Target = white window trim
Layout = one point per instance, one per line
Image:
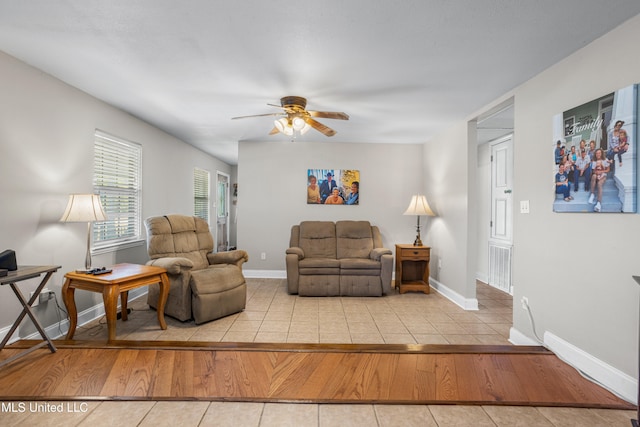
(208, 198)
(130, 241)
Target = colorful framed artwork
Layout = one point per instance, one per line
(595, 155)
(333, 187)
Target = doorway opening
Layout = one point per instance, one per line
(495, 140)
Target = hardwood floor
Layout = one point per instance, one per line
(399, 374)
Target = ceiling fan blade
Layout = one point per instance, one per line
(258, 115)
(329, 115)
(320, 127)
(274, 131)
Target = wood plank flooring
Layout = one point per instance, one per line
(312, 373)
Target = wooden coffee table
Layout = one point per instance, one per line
(120, 281)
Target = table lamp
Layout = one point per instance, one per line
(418, 206)
(84, 208)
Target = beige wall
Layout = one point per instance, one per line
(272, 193)
(46, 152)
(575, 268)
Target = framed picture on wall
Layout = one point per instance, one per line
(333, 187)
(595, 155)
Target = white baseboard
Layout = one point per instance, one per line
(59, 329)
(606, 375)
(518, 338)
(265, 274)
(3, 333)
(453, 296)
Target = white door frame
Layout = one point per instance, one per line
(221, 221)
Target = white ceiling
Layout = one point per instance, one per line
(402, 69)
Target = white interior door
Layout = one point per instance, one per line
(222, 212)
(501, 234)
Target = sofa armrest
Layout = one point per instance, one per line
(173, 265)
(236, 257)
(293, 272)
(377, 253)
(386, 270)
(296, 251)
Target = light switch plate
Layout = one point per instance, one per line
(524, 206)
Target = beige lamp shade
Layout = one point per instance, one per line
(83, 208)
(419, 206)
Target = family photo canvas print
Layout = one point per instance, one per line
(333, 187)
(594, 150)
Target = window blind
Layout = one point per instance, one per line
(117, 180)
(201, 193)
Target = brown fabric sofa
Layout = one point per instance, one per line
(203, 285)
(342, 258)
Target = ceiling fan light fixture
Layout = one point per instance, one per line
(288, 128)
(281, 124)
(295, 118)
(305, 129)
(298, 123)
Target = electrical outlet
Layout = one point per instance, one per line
(525, 303)
(45, 296)
(263, 256)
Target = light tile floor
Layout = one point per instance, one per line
(241, 414)
(273, 316)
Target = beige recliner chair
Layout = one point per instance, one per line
(204, 285)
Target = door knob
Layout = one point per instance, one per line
(507, 191)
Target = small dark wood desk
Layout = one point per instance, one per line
(24, 273)
(412, 268)
(120, 281)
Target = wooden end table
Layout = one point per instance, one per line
(120, 281)
(412, 268)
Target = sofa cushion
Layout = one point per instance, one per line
(359, 267)
(359, 264)
(318, 266)
(318, 239)
(217, 278)
(355, 239)
(319, 263)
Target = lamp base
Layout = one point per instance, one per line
(87, 258)
(418, 241)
